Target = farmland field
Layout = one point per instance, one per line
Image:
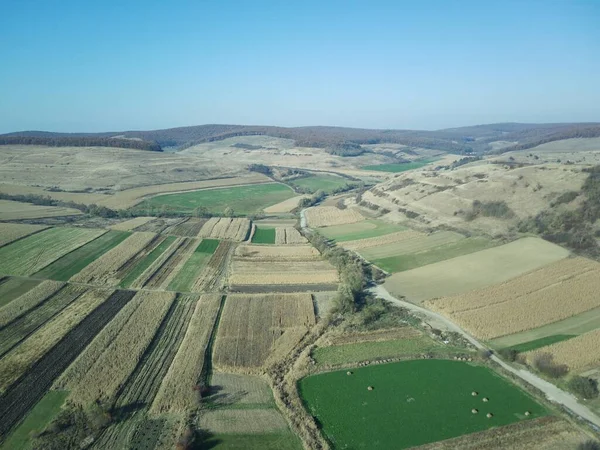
(10, 232)
(325, 216)
(28, 255)
(164, 269)
(360, 230)
(28, 301)
(289, 235)
(225, 228)
(184, 280)
(10, 210)
(12, 288)
(64, 268)
(146, 262)
(314, 183)
(526, 302)
(433, 398)
(476, 270)
(263, 236)
(399, 167)
(242, 199)
(131, 224)
(579, 353)
(542, 342)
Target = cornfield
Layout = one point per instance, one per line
(288, 235)
(578, 353)
(28, 301)
(226, 228)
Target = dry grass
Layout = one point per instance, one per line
(288, 235)
(374, 336)
(579, 353)
(10, 210)
(242, 421)
(325, 216)
(277, 253)
(28, 300)
(131, 224)
(225, 228)
(178, 392)
(251, 326)
(16, 362)
(285, 206)
(274, 272)
(120, 358)
(10, 232)
(387, 239)
(105, 270)
(232, 388)
(214, 275)
(547, 295)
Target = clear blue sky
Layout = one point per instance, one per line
(119, 65)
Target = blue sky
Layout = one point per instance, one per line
(119, 65)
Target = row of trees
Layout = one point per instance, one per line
(80, 141)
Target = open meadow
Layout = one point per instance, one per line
(369, 228)
(320, 182)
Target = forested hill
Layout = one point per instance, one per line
(343, 141)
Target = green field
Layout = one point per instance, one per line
(326, 183)
(242, 199)
(573, 326)
(264, 236)
(146, 262)
(64, 268)
(542, 342)
(400, 167)
(12, 288)
(412, 403)
(360, 230)
(409, 261)
(266, 441)
(363, 351)
(39, 417)
(184, 280)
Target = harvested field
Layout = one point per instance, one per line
(23, 395)
(242, 421)
(230, 390)
(10, 210)
(253, 327)
(186, 228)
(131, 224)
(579, 353)
(30, 254)
(110, 268)
(288, 235)
(178, 393)
(159, 224)
(225, 228)
(162, 271)
(326, 216)
(10, 232)
(28, 301)
(383, 241)
(545, 433)
(146, 262)
(16, 362)
(361, 230)
(285, 206)
(280, 272)
(418, 244)
(19, 329)
(281, 288)
(121, 357)
(529, 301)
(213, 276)
(72, 263)
(12, 288)
(476, 270)
(184, 280)
(277, 252)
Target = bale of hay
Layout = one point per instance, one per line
(474, 394)
(527, 413)
(474, 411)
(489, 415)
(370, 388)
(348, 373)
(485, 399)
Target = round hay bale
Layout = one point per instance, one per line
(370, 388)
(485, 399)
(527, 413)
(474, 394)
(474, 411)
(348, 373)
(489, 415)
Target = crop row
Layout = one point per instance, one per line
(166, 267)
(10, 232)
(325, 216)
(29, 300)
(214, 272)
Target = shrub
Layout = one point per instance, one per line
(509, 354)
(544, 363)
(583, 387)
(589, 445)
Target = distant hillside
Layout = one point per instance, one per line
(338, 140)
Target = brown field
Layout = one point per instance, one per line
(579, 353)
(288, 235)
(225, 228)
(544, 296)
(20, 359)
(111, 267)
(214, 274)
(131, 224)
(253, 327)
(186, 228)
(387, 239)
(122, 355)
(285, 206)
(178, 393)
(28, 301)
(244, 421)
(10, 232)
(274, 272)
(10, 210)
(546, 433)
(277, 252)
(325, 216)
(165, 268)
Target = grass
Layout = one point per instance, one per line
(412, 403)
(13, 288)
(363, 351)
(573, 326)
(242, 199)
(400, 167)
(39, 417)
(184, 280)
(409, 261)
(262, 441)
(64, 268)
(314, 183)
(264, 236)
(146, 262)
(360, 230)
(542, 342)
